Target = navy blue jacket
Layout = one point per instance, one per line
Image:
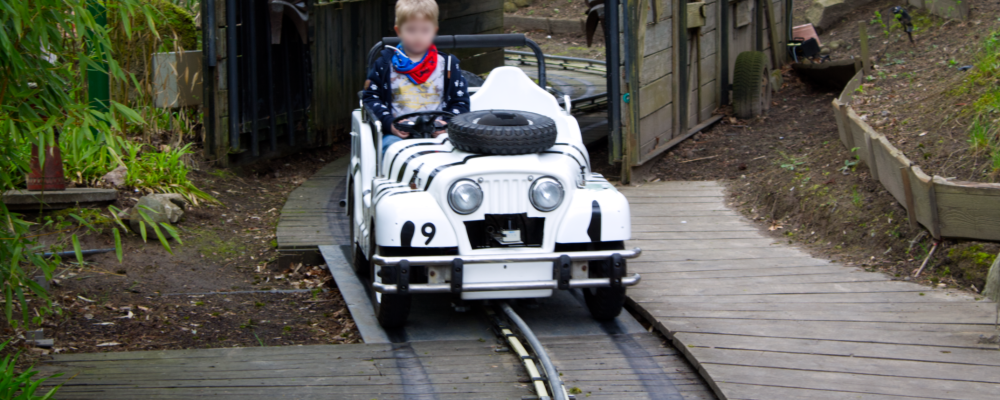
(377, 96)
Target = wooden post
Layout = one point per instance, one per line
(777, 48)
(935, 218)
(866, 61)
(872, 165)
(911, 212)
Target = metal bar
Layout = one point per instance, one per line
(82, 253)
(611, 37)
(508, 258)
(289, 113)
(271, 114)
(251, 62)
(538, 56)
(208, 31)
(684, 92)
(500, 286)
(555, 382)
(209, 28)
(232, 68)
(552, 57)
(724, 50)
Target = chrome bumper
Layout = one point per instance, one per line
(509, 258)
(490, 287)
(560, 262)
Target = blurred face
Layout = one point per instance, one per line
(417, 35)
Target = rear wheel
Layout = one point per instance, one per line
(391, 310)
(604, 303)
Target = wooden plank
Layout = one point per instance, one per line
(861, 384)
(656, 66)
(638, 237)
(847, 297)
(744, 273)
(654, 265)
(700, 192)
(862, 350)
(802, 288)
(655, 95)
(656, 128)
(911, 211)
(680, 209)
(701, 244)
(739, 391)
(659, 37)
(473, 23)
(968, 210)
(764, 280)
(967, 316)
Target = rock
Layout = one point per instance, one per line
(824, 13)
(116, 177)
(522, 3)
(824, 51)
(834, 45)
(509, 7)
(163, 208)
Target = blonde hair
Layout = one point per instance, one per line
(410, 9)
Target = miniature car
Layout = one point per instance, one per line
(503, 206)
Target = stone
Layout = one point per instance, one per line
(834, 45)
(824, 51)
(163, 208)
(116, 177)
(824, 13)
(522, 3)
(509, 7)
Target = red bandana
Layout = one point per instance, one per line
(418, 72)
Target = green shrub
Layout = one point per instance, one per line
(14, 386)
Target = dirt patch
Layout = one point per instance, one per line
(156, 300)
(566, 45)
(569, 9)
(918, 98)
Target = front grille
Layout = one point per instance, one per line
(505, 196)
(488, 232)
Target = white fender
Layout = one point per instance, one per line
(616, 218)
(396, 213)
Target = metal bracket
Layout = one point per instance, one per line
(564, 268)
(617, 270)
(403, 278)
(456, 276)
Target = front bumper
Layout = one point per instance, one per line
(561, 269)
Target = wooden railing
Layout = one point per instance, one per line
(947, 208)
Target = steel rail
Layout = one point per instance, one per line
(555, 382)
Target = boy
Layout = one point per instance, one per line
(414, 76)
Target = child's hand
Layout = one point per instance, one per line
(441, 131)
(399, 133)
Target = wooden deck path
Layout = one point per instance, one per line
(764, 320)
(312, 216)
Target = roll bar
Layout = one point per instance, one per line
(471, 42)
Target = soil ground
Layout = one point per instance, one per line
(567, 9)
(157, 301)
(913, 94)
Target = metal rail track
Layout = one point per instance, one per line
(555, 385)
(581, 104)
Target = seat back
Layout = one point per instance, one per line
(509, 88)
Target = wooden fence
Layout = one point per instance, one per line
(947, 208)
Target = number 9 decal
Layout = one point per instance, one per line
(428, 230)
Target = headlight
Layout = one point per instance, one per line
(546, 194)
(465, 196)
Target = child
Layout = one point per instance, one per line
(414, 76)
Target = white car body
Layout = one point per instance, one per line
(407, 205)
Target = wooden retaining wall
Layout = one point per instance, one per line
(947, 208)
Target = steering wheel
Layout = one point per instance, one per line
(421, 124)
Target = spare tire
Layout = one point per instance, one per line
(472, 79)
(503, 132)
(751, 85)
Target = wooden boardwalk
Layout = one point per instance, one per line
(764, 320)
(312, 215)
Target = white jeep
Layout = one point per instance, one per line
(502, 206)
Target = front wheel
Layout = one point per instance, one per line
(604, 303)
(391, 310)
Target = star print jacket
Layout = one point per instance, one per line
(377, 95)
